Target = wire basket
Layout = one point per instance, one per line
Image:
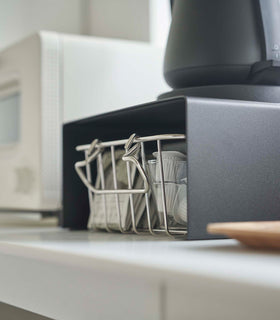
(108, 201)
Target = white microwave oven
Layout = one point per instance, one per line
(48, 79)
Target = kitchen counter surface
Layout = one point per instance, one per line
(58, 273)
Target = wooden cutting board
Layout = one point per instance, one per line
(260, 234)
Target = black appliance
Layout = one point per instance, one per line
(223, 42)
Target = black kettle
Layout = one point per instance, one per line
(223, 42)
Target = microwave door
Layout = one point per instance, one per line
(9, 110)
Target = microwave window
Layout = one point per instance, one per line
(9, 119)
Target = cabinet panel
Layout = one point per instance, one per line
(71, 292)
(221, 300)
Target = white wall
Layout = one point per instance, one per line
(141, 20)
(160, 19)
(126, 19)
(20, 18)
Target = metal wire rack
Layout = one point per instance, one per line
(133, 155)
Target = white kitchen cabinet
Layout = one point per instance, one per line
(81, 275)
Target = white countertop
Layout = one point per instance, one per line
(225, 259)
(144, 256)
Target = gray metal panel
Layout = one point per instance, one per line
(233, 162)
